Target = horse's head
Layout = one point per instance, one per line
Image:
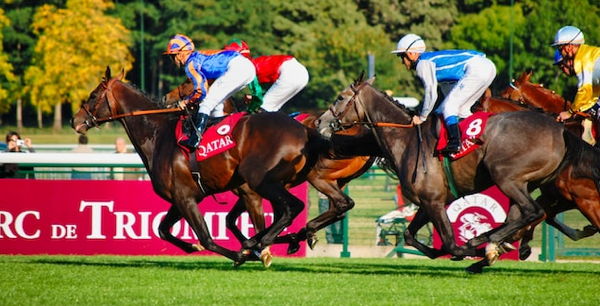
(181, 92)
(345, 110)
(524, 91)
(100, 104)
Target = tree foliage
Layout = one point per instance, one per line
(74, 47)
(6, 69)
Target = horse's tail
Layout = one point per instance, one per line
(584, 158)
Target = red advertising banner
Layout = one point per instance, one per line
(476, 214)
(111, 217)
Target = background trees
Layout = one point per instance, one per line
(58, 52)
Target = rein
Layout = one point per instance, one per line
(111, 102)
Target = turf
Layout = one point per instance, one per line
(210, 280)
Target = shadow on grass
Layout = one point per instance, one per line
(316, 266)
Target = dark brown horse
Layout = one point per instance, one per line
(329, 175)
(271, 151)
(537, 149)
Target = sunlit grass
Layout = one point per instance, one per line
(190, 280)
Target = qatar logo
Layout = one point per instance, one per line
(224, 129)
(474, 215)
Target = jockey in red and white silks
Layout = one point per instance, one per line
(284, 73)
(230, 71)
(463, 76)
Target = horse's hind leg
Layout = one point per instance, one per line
(164, 231)
(248, 201)
(287, 206)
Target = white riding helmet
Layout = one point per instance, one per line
(568, 35)
(410, 43)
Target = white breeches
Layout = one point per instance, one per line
(293, 77)
(479, 74)
(240, 73)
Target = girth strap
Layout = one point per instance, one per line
(450, 176)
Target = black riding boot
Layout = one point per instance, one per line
(453, 145)
(199, 120)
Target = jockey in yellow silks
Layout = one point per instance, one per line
(584, 62)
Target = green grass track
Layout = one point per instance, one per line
(211, 280)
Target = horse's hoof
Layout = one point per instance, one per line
(589, 230)
(266, 257)
(492, 252)
(474, 269)
(312, 242)
(457, 258)
(197, 247)
(506, 247)
(524, 252)
(293, 248)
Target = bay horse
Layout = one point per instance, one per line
(329, 175)
(537, 149)
(271, 151)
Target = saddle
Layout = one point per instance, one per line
(216, 139)
(471, 129)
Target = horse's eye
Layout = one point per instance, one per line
(340, 98)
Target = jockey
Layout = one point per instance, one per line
(463, 76)
(229, 69)
(584, 62)
(285, 75)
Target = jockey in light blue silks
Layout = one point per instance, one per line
(463, 76)
(230, 71)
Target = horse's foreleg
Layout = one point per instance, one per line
(286, 206)
(189, 209)
(164, 231)
(438, 216)
(339, 204)
(420, 219)
(248, 201)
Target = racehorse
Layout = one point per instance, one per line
(537, 149)
(271, 150)
(528, 93)
(524, 91)
(329, 175)
(573, 188)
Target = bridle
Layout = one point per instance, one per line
(356, 104)
(522, 95)
(109, 97)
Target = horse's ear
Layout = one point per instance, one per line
(371, 80)
(121, 75)
(528, 74)
(107, 73)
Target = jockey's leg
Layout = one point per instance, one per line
(293, 77)
(199, 120)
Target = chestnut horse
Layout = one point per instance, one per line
(572, 188)
(329, 175)
(271, 151)
(537, 148)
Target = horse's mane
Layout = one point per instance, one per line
(159, 103)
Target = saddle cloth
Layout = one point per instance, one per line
(216, 139)
(471, 128)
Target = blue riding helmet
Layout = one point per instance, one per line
(558, 58)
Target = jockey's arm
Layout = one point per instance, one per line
(426, 72)
(200, 83)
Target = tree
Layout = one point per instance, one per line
(489, 31)
(7, 78)
(74, 47)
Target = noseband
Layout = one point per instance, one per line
(109, 97)
(336, 125)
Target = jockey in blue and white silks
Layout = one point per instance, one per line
(463, 76)
(229, 69)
